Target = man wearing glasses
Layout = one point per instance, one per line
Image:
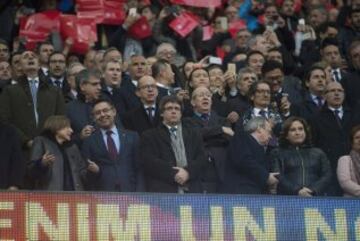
(147, 115)
(172, 155)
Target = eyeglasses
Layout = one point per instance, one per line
(149, 87)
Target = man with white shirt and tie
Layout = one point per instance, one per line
(331, 129)
(315, 81)
(147, 115)
(330, 53)
(111, 153)
(172, 155)
(27, 104)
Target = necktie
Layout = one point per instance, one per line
(150, 112)
(337, 117)
(111, 145)
(205, 117)
(173, 131)
(336, 75)
(34, 91)
(319, 102)
(57, 83)
(263, 113)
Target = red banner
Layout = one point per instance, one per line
(198, 3)
(184, 24)
(102, 11)
(37, 27)
(82, 31)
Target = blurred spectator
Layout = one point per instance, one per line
(12, 165)
(348, 168)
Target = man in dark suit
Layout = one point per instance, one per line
(145, 116)
(164, 76)
(44, 49)
(79, 111)
(331, 130)
(273, 73)
(172, 155)
(315, 81)
(137, 69)
(27, 104)
(216, 135)
(247, 169)
(330, 53)
(111, 82)
(111, 153)
(57, 72)
(71, 73)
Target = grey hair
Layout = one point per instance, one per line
(84, 75)
(242, 71)
(255, 123)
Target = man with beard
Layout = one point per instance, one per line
(57, 72)
(27, 104)
(111, 153)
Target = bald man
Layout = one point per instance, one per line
(145, 116)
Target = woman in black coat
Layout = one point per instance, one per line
(304, 170)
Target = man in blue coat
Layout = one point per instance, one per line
(247, 170)
(111, 154)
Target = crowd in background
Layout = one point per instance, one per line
(240, 96)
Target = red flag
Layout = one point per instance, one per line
(208, 32)
(103, 11)
(113, 12)
(235, 26)
(184, 24)
(82, 31)
(140, 29)
(37, 27)
(198, 3)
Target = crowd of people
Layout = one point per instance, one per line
(265, 102)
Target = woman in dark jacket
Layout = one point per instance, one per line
(304, 170)
(56, 163)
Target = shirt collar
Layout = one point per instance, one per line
(257, 111)
(113, 129)
(134, 82)
(162, 86)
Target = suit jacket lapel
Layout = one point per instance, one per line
(100, 143)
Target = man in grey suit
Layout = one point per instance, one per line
(111, 153)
